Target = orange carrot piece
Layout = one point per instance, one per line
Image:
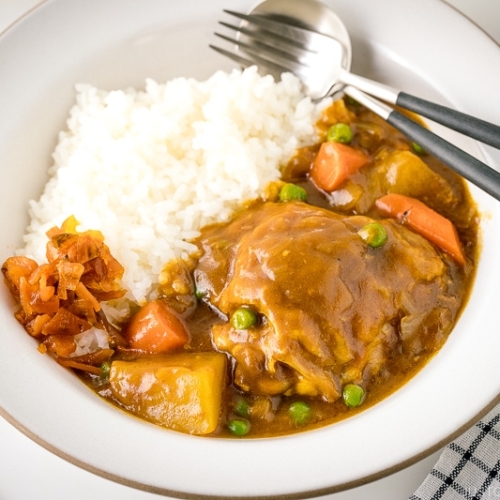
(425, 221)
(334, 163)
(156, 328)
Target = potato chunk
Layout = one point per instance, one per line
(179, 391)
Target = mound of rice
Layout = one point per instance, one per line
(150, 167)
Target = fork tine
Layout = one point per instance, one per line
(246, 63)
(280, 40)
(257, 47)
(275, 68)
(289, 32)
(267, 56)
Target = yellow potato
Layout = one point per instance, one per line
(179, 391)
(408, 174)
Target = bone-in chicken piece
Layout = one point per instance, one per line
(330, 307)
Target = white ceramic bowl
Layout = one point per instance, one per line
(424, 47)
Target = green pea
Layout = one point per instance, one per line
(241, 408)
(243, 318)
(105, 369)
(417, 148)
(199, 294)
(290, 192)
(238, 426)
(373, 234)
(353, 395)
(300, 412)
(340, 132)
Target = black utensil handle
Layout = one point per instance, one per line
(487, 133)
(461, 162)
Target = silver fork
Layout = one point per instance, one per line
(277, 46)
(280, 47)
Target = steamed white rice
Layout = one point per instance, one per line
(150, 167)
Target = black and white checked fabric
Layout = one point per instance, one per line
(469, 467)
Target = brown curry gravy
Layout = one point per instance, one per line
(269, 412)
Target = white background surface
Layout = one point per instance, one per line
(28, 471)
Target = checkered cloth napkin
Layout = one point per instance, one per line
(469, 467)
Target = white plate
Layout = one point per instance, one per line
(423, 47)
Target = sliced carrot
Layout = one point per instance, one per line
(156, 328)
(334, 163)
(425, 221)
